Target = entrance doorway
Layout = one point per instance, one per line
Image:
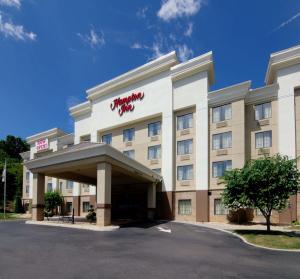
(129, 202)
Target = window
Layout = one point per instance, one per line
(219, 208)
(219, 168)
(27, 189)
(49, 187)
(85, 206)
(263, 111)
(69, 185)
(184, 121)
(107, 139)
(27, 175)
(263, 139)
(185, 172)
(128, 135)
(221, 113)
(154, 129)
(185, 147)
(222, 141)
(157, 171)
(60, 185)
(129, 153)
(184, 207)
(154, 152)
(69, 207)
(86, 187)
(85, 138)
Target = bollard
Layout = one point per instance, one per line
(73, 216)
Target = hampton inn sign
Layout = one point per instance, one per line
(126, 104)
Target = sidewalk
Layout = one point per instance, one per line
(233, 227)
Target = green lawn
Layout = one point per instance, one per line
(9, 216)
(275, 239)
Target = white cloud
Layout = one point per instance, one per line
(184, 52)
(11, 3)
(136, 46)
(94, 39)
(17, 32)
(141, 13)
(189, 30)
(156, 50)
(283, 24)
(171, 9)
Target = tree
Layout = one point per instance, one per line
(9, 150)
(53, 200)
(265, 184)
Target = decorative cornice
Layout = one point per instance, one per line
(262, 94)
(159, 65)
(81, 109)
(52, 133)
(198, 64)
(282, 59)
(229, 94)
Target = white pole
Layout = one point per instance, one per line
(4, 195)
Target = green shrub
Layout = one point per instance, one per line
(91, 216)
(17, 205)
(296, 223)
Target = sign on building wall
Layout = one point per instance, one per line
(125, 104)
(42, 144)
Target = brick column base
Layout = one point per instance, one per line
(103, 214)
(38, 212)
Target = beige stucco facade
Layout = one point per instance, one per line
(191, 185)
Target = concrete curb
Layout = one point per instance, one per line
(240, 237)
(75, 226)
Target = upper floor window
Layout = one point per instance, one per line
(49, 187)
(70, 185)
(263, 111)
(27, 189)
(128, 134)
(27, 175)
(185, 121)
(154, 152)
(85, 138)
(185, 147)
(221, 113)
(154, 129)
(222, 141)
(185, 172)
(263, 139)
(107, 138)
(129, 153)
(219, 168)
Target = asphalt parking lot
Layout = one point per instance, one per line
(138, 251)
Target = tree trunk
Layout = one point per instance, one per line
(268, 219)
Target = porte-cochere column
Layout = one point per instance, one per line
(103, 194)
(38, 201)
(151, 201)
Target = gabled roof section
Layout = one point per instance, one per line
(52, 133)
(282, 59)
(229, 94)
(81, 109)
(198, 64)
(152, 68)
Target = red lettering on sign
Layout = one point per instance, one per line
(125, 104)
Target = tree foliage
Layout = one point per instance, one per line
(265, 184)
(53, 200)
(9, 150)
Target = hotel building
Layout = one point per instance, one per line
(155, 141)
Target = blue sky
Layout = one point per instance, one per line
(51, 51)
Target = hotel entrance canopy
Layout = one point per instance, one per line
(90, 163)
